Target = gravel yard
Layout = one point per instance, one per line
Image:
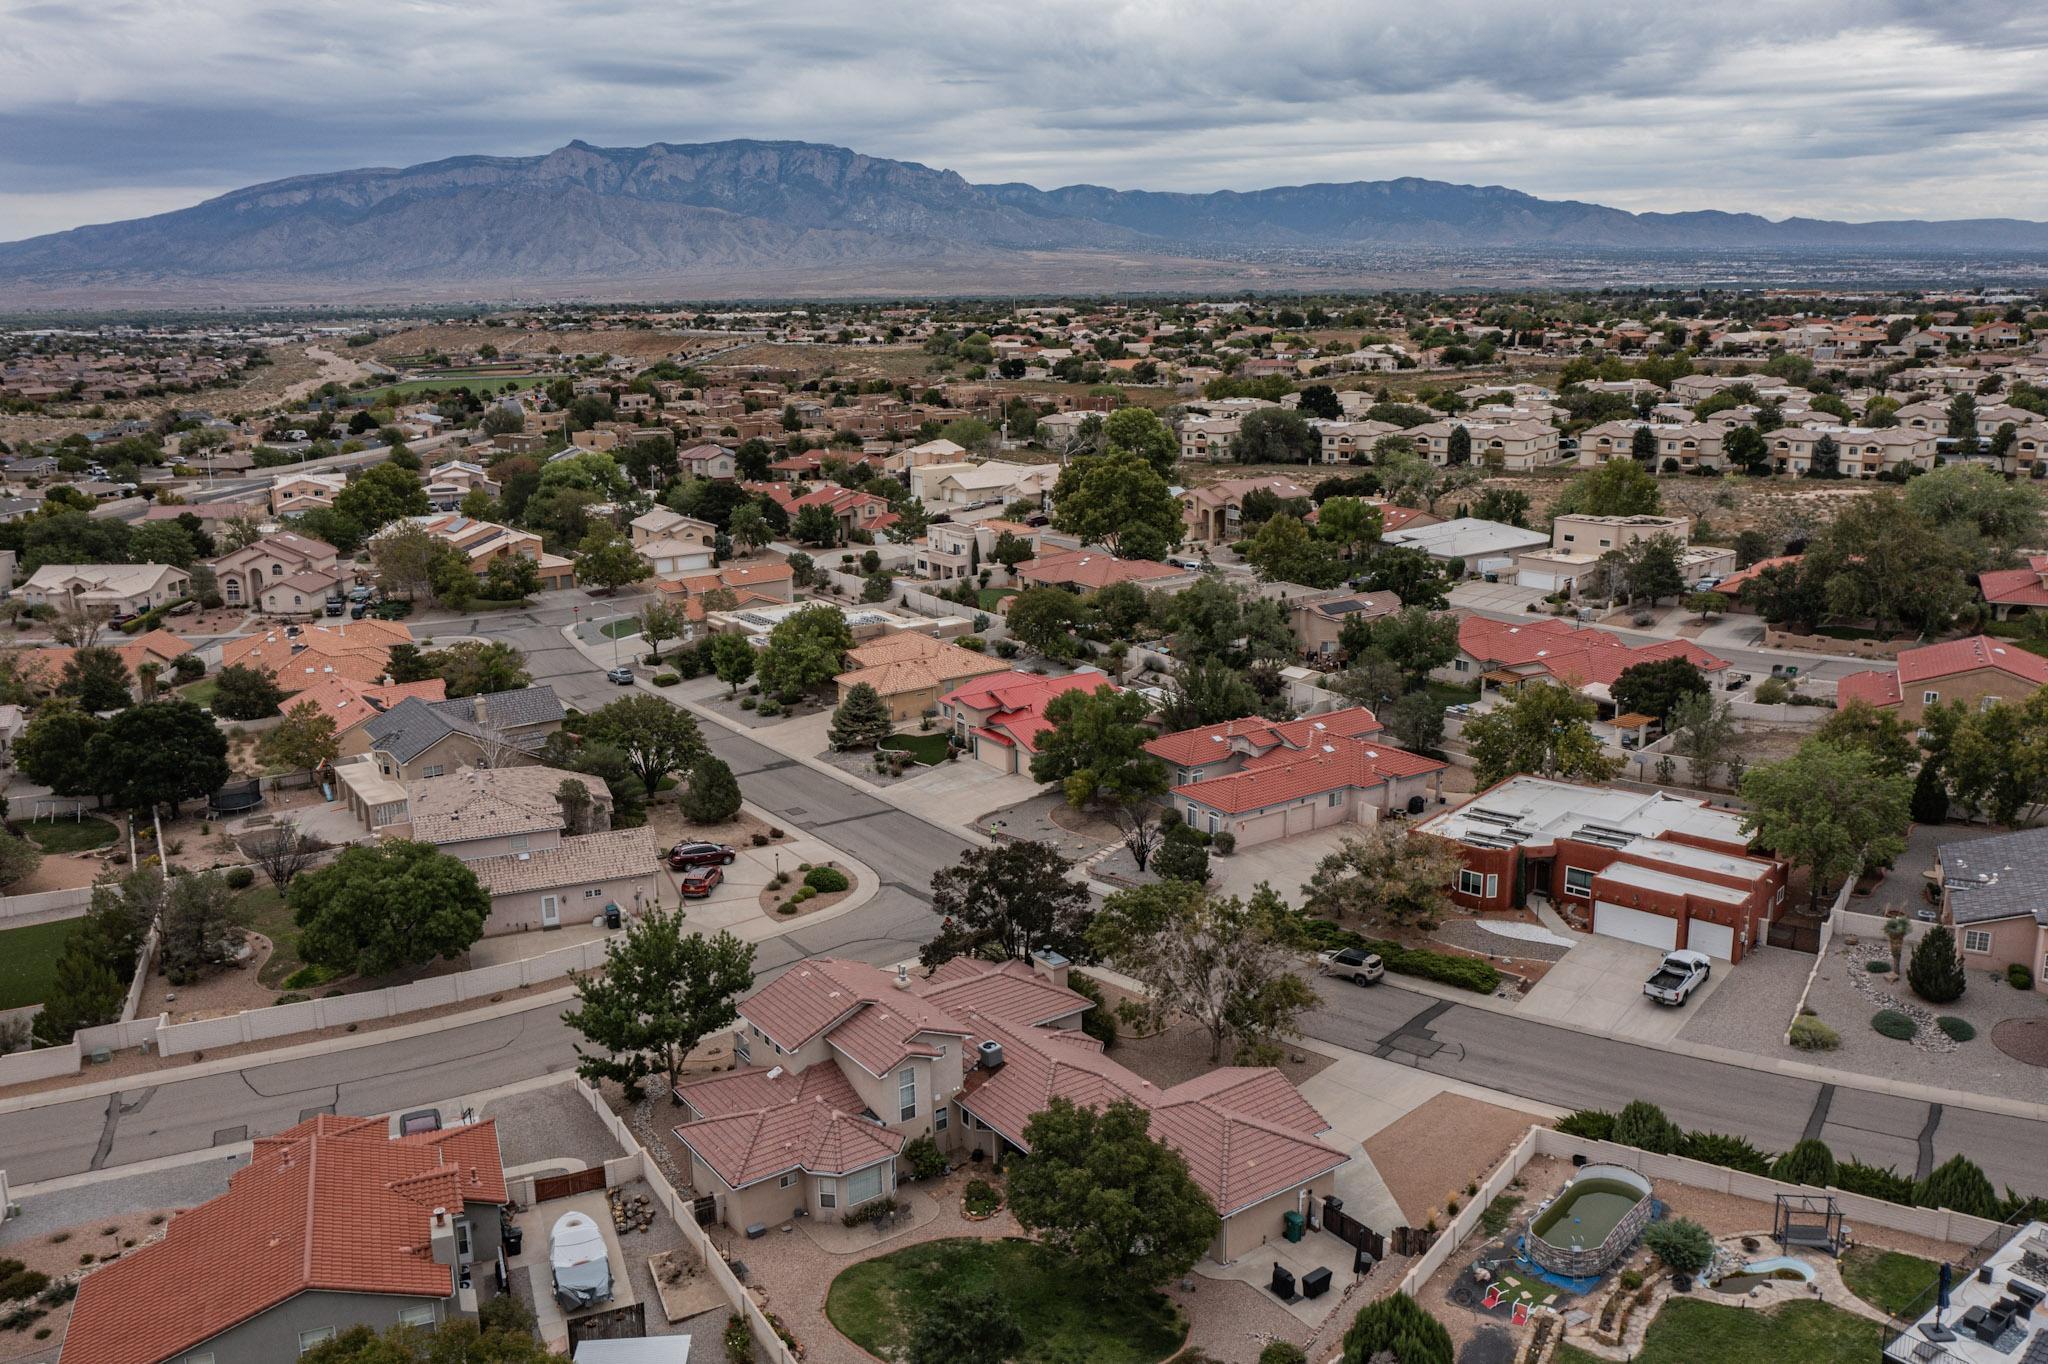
(1429, 1156)
(1754, 1005)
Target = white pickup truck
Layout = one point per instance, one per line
(1678, 976)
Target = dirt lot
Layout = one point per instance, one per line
(1429, 1157)
(649, 346)
(69, 1255)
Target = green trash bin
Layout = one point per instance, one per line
(1293, 1224)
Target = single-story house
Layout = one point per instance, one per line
(118, 589)
(912, 671)
(1994, 894)
(1468, 546)
(1330, 779)
(418, 738)
(1980, 670)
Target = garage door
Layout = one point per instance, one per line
(1633, 925)
(1262, 828)
(1716, 940)
(1300, 819)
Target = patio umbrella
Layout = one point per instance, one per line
(1941, 1297)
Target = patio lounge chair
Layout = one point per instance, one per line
(1521, 1314)
(1492, 1298)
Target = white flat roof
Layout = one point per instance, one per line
(1645, 878)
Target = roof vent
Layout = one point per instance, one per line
(991, 1055)
(902, 976)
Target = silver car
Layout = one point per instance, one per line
(1354, 964)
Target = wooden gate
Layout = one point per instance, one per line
(1351, 1231)
(618, 1323)
(1801, 935)
(561, 1186)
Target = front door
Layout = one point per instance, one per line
(550, 912)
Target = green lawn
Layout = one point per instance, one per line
(200, 693)
(69, 835)
(874, 1303)
(991, 597)
(1888, 1279)
(28, 957)
(1691, 1331)
(1450, 694)
(262, 909)
(620, 628)
(929, 749)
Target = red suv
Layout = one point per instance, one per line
(700, 882)
(700, 855)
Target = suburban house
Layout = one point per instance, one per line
(448, 482)
(659, 524)
(912, 671)
(1979, 670)
(1692, 445)
(304, 492)
(998, 718)
(1090, 570)
(2007, 590)
(483, 543)
(1351, 442)
(1994, 894)
(41, 669)
(675, 556)
(418, 738)
(117, 589)
(1214, 511)
(1501, 654)
(1318, 618)
(1730, 588)
(1661, 870)
(332, 1224)
(707, 461)
(1578, 542)
(921, 455)
(509, 826)
(359, 650)
(349, 703)
(842, 1062)
(283, 574)
(951, 487)
(1277, 780)
(961, 549)
(1467, 546)
(852, 509)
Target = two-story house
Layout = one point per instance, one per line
(333, 1224)
(417, 738)
(283, 574)
(842, 1062)
(961, 549)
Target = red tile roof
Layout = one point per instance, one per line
(1257, 734)
(1733, 584)
(1017, 703)
(1092, 569)
(2018, 586)
(1932, 662)
(820, 1133)
(1285, 775)
(1574, 656)
(331, 1204)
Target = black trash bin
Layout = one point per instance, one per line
(515, 1240)
(611, 914)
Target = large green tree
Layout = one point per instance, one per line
(1095, 749)
(1620, 487)
(1540, 728)
(656, 737)
(606, 560)
(1120, 1206)
(1006, 901)
(1396, 1328)
(55, 749)
(1829, 809)
(97, 679)
(375, 910)
(162, 753)
(1224, 963)
(380, 495)
(1411, 575)
(241, 692)
(1384, 877)
(1120, 501)
(806, 649)
(1043, 619)
(732, 657)
(1275, 435)
(479, 667)
(1655, 688)
(861, 720)
(1286, 551)
(661, 992)
(1139, 431)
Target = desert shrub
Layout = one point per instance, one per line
(1643, 1124)
(1935, 972)
(1893, 1024)
(1958, 1184)
(666, 679)
(1467, 973)
(981, 1197)
(924, 1158)
(1872, 1181)
(1810, 1034)
(1877, 968)
(1631, 1279)
(826, 880)
(1719, 1148)
(1682, 1244)
(17, 1280)
(1282, 1352)
(1397, 1327)
(1224, 842)
(872, 1211)
(748, 703)
(1592, 1124)
(1808, 1162)
(241, 878)
(2018, 976)
(1958, 1028)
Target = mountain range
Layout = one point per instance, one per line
(747, 218)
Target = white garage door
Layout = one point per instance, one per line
(1633, 925)
(1716, 940)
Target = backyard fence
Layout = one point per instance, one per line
(48, 904)
(636, 1164)
(1820, 953)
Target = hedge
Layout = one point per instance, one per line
(826, 880)
(148, 619)
(1466, 973)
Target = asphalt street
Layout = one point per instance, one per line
(1545, 1063)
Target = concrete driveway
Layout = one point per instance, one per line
(1484, 596)
(1285, 862)
(1599, 984)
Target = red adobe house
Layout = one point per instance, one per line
(1662, 870)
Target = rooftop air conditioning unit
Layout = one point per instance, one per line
(991, 1055)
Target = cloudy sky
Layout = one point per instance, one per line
(1834, 108)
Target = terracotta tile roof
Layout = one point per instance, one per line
(738, 576)
(359, 651)
(756, 1087)
(2018, 586)
(1733, 584)
(901, 663)
(813, 1126)
(349, 702)
(1285, 775)
(1257, 734)
(1092, 569)
(331, 1204)
(586, 859)
(1017, 703)
(1931, 661)
(1873, 688)
(1570, 654)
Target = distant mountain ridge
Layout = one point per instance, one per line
(752, 214)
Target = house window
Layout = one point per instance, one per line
(319, 1335)
(1578, 881)
(1336, 797)
(422, 1315)
(1987, 702)
(942, 1117)
(741, 1048)
(1459, 665)
(1976, 940)
(1470, 882)
(786, 1181)
(1930, 697)
(827, 1198)
(436, 770)
(1492, 886)
(863, 1185)
(906, 1094)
